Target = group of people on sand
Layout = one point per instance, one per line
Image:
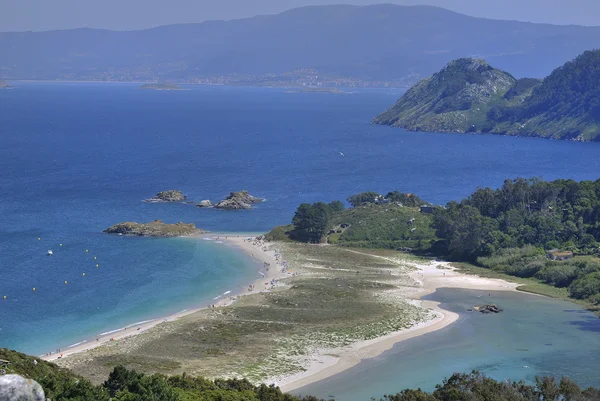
(57, 352)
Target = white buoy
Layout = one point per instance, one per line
(49, 253)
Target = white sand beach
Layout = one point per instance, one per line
(431, 276)
(253, 249)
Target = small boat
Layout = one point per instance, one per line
(49, 253)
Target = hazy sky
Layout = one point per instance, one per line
(19, 15)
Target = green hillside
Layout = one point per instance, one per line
(548, 232)
(469, 95)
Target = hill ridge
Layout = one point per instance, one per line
(389, 44)
(469, 95)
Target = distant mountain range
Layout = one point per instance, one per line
(379, 43)
(468, 95)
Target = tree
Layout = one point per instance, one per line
(585, 286)
(362, 198)
(336, 206)
(311, 221)
(467, 235)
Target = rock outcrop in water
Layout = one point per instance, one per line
(238, 200)
(4, 85)
(205, 203)
(154, 229)
(488, 308)
(171, 195)
(17, 388)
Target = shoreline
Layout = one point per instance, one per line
(326, 362)
(431, 277)
(237, 240)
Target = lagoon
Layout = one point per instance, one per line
(534, 336)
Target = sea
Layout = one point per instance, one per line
(76, 158)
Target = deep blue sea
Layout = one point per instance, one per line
(76, 158)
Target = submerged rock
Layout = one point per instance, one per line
(167, 196)
(205, 203)
(238, 200)
(154, 229)
(18, 388)
(488, 308)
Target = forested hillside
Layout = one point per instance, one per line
(468, 95)
(549, 231)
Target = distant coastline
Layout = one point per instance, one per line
(285, 86)
(162, 87)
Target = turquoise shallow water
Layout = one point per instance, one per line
(534, 336)
(77, 158)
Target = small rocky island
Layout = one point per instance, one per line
(238, 200)
(162, 87)
(204, 203)
(488, 308)
(154, 229)
(171, 195)
(4, 85)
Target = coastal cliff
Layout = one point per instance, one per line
(468, 95)
(238, 200)
(154, 229)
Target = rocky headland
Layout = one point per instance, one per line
(238, 200)
(167, 196)
(154, 229)
(468, 95)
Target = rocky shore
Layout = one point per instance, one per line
(238, 200)
(154, 229)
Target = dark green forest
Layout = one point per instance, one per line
(128, 385)
(529, 228)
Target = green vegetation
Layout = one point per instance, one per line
(477, 387)
(547, 232)
(470, 96)
(129, 385)
(311, 221)
(375, 221)
(515, 228)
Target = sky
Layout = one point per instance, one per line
(41, 15)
